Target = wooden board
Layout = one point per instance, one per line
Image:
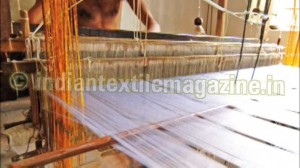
(280, 116)
(238, 149)
(280, 136)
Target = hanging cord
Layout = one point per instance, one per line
(213, 4)
(146, 37)
(211, 19)
(135, 20)
(243, 40)
(144, 47)
(262, 32)
(235, 14)
(207, 14)
(199, 8)
(140, 18)
(139, 26)
(19, 5)
(37, 29)
(223, 37)
(75, 4)
(198, 22)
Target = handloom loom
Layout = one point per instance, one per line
(165, 129)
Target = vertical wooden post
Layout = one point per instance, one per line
(221, 19)
(5, 22)
(25, 23)
(35, 108)
(32, 92)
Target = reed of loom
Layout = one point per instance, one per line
(99, 53)
(112, 59)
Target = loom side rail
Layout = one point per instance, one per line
(50, 157)
(25, 66)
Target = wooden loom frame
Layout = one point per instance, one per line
(30, 66)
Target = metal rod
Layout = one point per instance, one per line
(243, 39)
(262, 33)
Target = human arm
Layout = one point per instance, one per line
(146, 16)
(36, 13)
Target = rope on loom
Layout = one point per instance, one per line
(199, 8)
(213, 4)
(137, 8)
(28, 48)
(144, 50)
(207, 14)
(75, 4)
(135, 21)
(211, 19)
(19, 5)
(140, 17)
(235, 14)
(37, 29)
(146, 35)
(139, 14)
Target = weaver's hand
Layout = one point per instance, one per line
(154, 27)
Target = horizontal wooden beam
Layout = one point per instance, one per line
(32, 65)
(50, 157)
(25, 66)
(13, 46)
